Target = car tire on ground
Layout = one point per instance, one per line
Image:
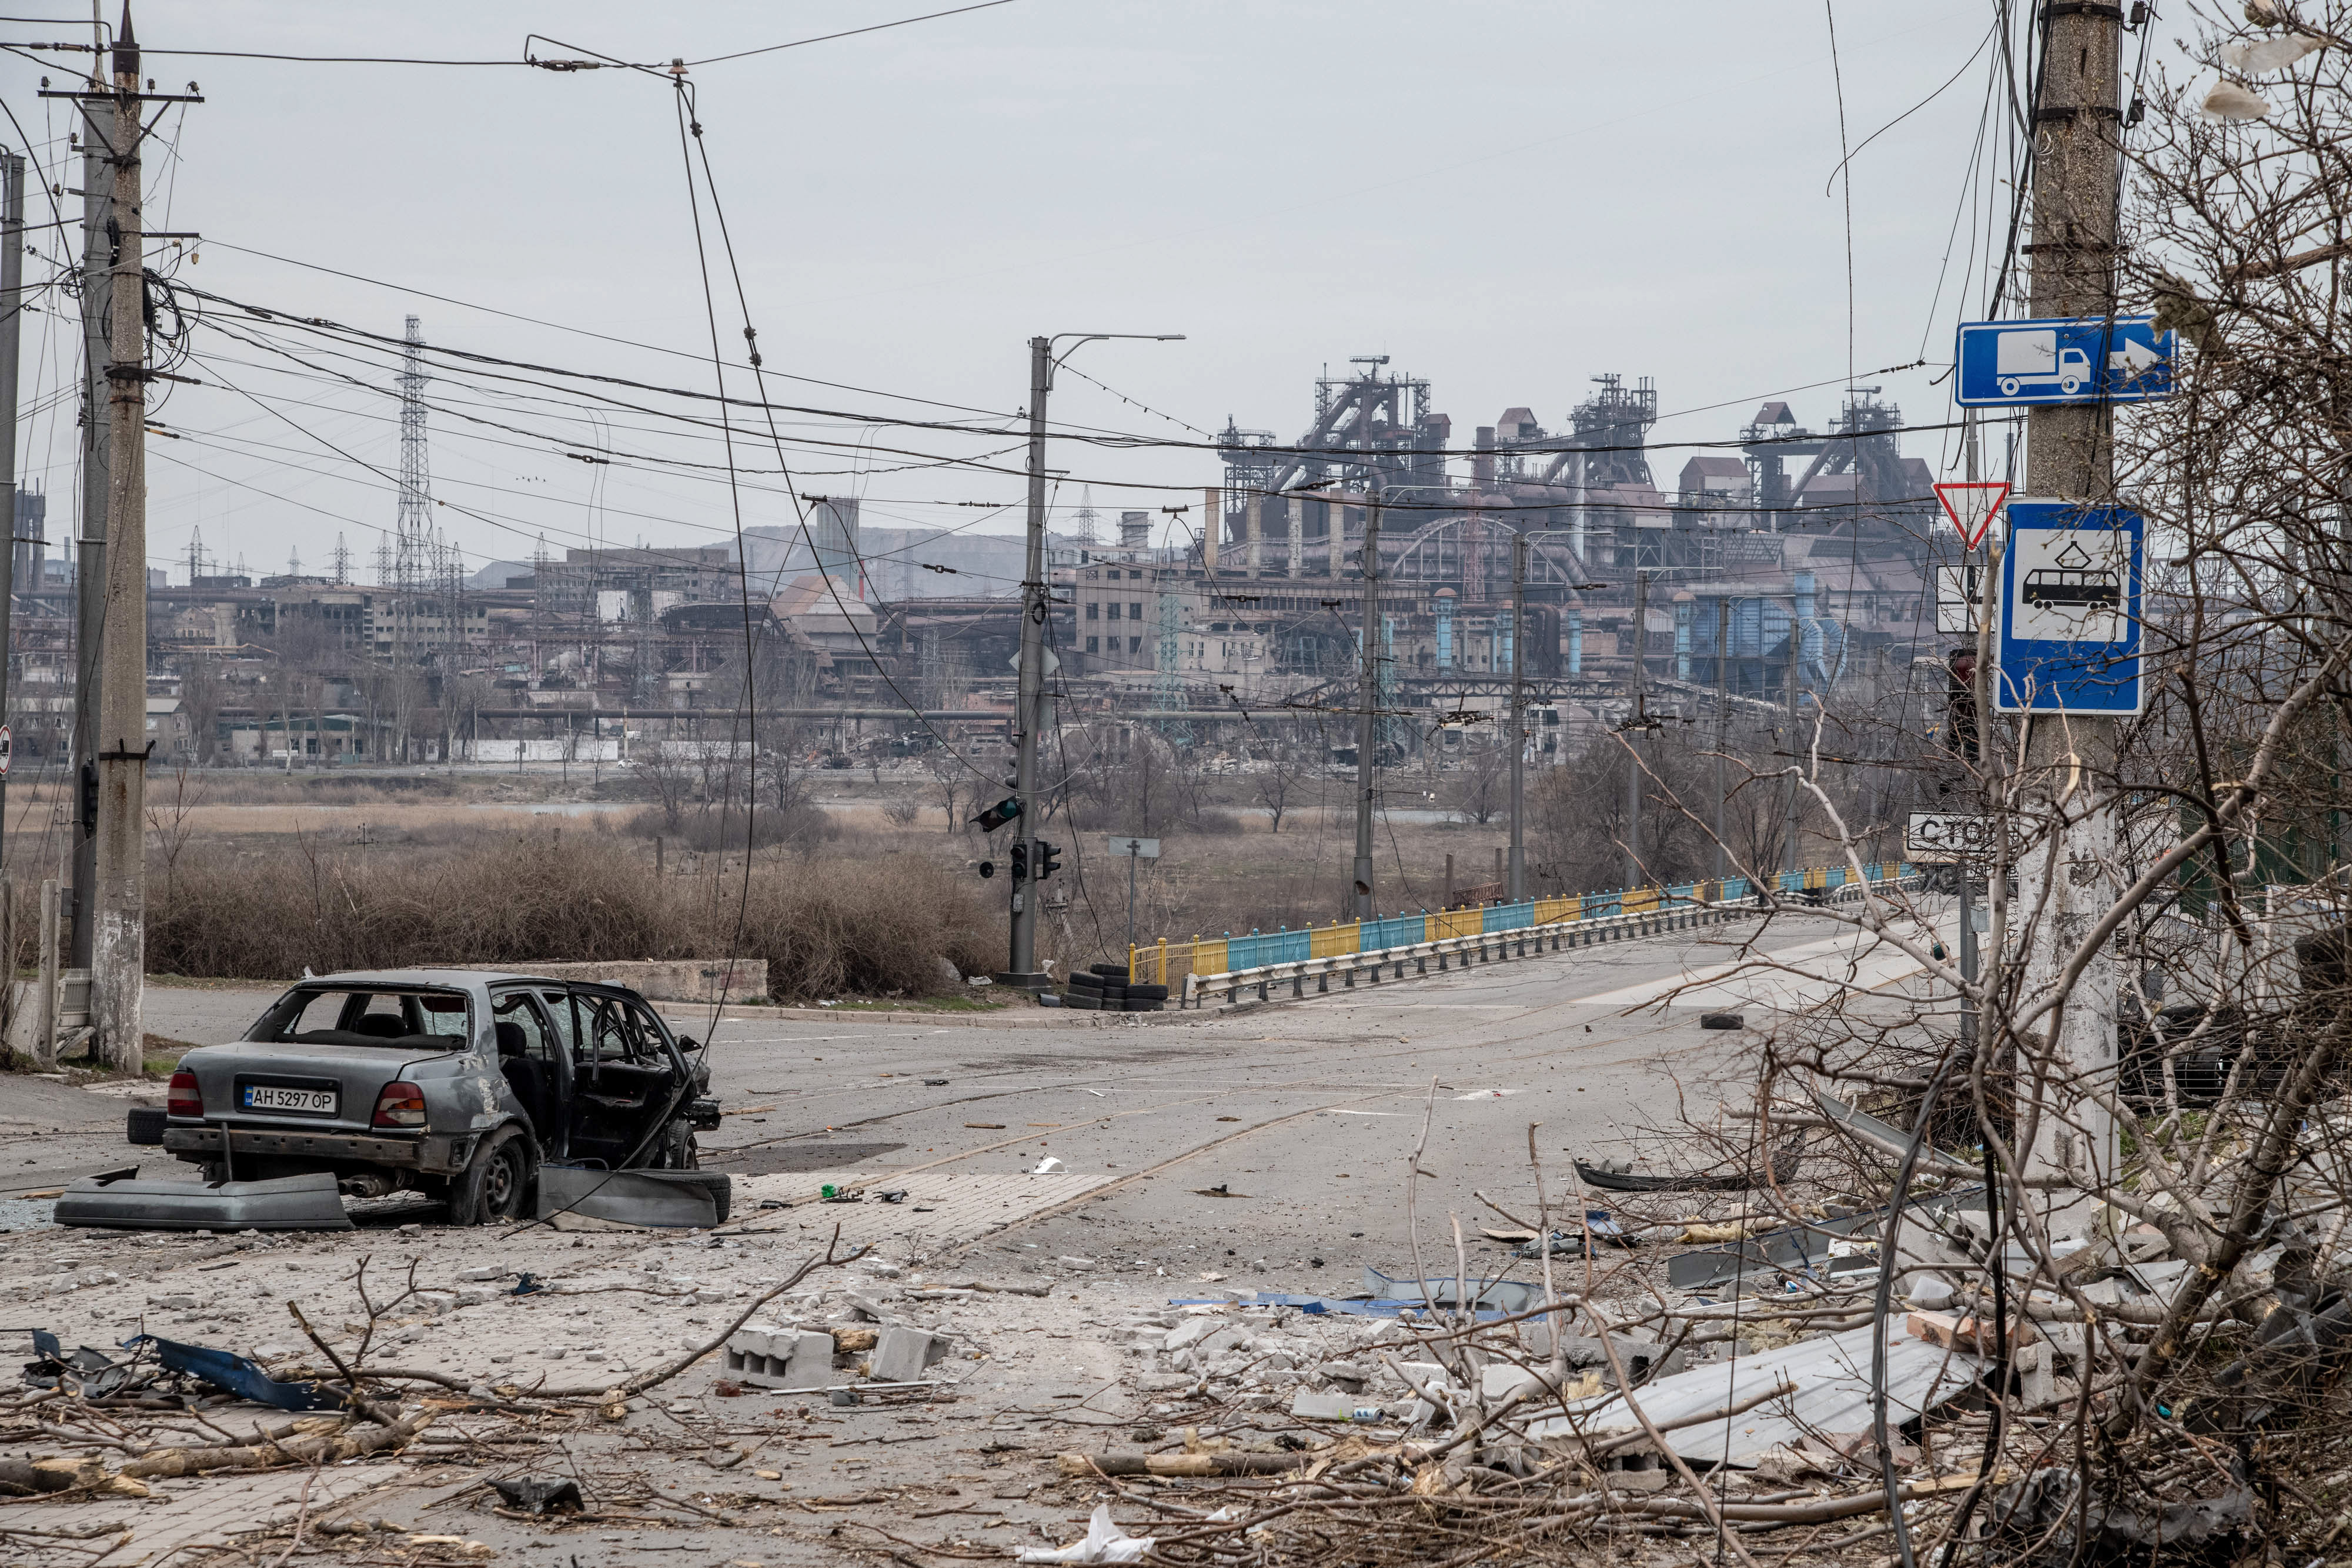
(1140, 991)
(146, 1126)
(1143, 1005)
(1085, 1001)
(1108, 971)
(716, 1183)
(1085, 982)
(495, 1185)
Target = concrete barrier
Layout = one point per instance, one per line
(656, 980)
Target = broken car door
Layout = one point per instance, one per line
(532, 1066)
(622, 1076)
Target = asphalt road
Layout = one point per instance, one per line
(1305, 1113)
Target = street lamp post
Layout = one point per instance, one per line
(1516, 873)
(1367, 689)
(1036, 602)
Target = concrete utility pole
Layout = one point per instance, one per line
(2068, 770)
(1367, 690)
(1029, 707)
(12, 316)
(119, 941)
(90, 562)
(1029, 712)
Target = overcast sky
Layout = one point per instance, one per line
(1507, 198)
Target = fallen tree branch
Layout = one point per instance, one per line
(1084, 1464)
(316, 1449)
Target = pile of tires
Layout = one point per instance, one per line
(1104, 988)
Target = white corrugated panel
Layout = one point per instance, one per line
(1833, 1378)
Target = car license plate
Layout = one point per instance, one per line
(277, 1097)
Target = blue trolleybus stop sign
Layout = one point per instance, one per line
(2070, 609)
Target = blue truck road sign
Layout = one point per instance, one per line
(2089, 359)
(2070, 606)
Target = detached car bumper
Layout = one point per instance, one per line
(289, 1203)
(434, 1152)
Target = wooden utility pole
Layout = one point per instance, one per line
(118, 934)
(2069, 761)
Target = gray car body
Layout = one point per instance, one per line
(467, 1096)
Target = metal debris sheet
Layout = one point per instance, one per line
(1833, 1378)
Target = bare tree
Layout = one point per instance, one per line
(1479, 789)
(1279, 778)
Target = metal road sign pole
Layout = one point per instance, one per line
(1133, 855)
(1976, 678)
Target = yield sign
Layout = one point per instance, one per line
(1972, 505)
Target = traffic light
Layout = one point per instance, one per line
(90, 800)
(996, 816)
(987, 869)
(1960, 702)
(1049, 860)
(1020, 859)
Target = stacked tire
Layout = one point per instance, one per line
(1104, 988)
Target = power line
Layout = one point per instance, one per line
(852, 33)
(582, 331)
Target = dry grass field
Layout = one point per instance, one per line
(256, 874)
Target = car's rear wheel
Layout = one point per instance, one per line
(496, 1186)
(716, 1183)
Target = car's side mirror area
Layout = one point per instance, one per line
(688, 1042)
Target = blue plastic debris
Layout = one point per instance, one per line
(528, 1285)
(233, 1373)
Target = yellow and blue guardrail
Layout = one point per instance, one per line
(1168, 963)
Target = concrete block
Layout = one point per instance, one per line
(783, 1358)
(1345, 1372)
(1305, 1407)
(902, 1355)
(1423, 1374)
(1500, 1380)
(664, 980)
(1228, 1338)
(1190, 1333)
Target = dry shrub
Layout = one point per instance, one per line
(865, 928)
(875, 926)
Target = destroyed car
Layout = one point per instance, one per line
(459, 1086)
